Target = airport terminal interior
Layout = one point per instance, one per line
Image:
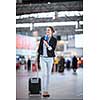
(32, 19)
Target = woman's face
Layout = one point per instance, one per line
(49, 31)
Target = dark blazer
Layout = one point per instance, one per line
(52, 43)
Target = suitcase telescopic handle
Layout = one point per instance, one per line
(37, 71)
(37, 76)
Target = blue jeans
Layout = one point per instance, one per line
(46, 64)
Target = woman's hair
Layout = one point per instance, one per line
(52, 29)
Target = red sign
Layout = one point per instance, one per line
(24, 42)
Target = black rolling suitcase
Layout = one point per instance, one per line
(35, 85)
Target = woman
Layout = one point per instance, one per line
(46, 51)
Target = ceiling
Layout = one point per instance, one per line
(35, 7)
(24, 7)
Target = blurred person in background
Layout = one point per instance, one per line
(68, 62)
(56, 63)
(61, 64)
(29, 64)
(80, 62)
(74, 63)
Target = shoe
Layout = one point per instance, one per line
(46, 95)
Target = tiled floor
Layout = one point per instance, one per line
(63, 86)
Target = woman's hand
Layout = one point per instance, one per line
(46, 43)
